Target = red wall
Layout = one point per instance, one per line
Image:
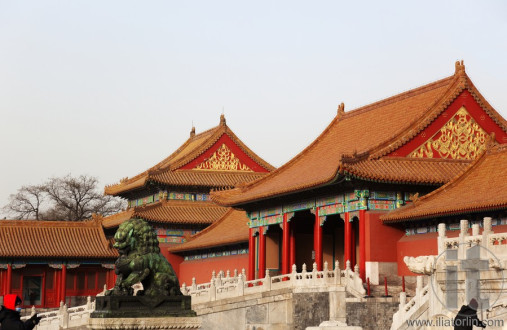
(174, 259)
(414, 246)
(202, 269)
(380, 239)
(426, 244)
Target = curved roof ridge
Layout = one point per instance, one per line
(281, 168)
(212, 139)
(485, 105)
(193, 147)
(418, 124)
(397, 97)
(461, 83)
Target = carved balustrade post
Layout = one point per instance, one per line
(212, 291)
(184, 289)
(403, 302)
(303, 275)
(240, 289)
(325, 271)
(293, 275)
(65, 317)
(488, 230)
(314, 280)
(418, 291)
(441, 238)
(463, 232)
(194, 285)
(337, 273)
(267, 281)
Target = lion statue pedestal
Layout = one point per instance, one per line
(160, 304)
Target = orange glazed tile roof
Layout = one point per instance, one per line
(170, 212)
(209, 179)
(117, 219)
(481, 187)
(357, 142)
(390, 169)
(54, 239)
(232, 228)
(168, 170)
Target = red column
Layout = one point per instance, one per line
(285, 245)
(251, 255)
(262, 253)
(362, 244)
(292, 260)
(317, 240)
(64, 283)
(346, 240)
(352, 244)
(9, 279)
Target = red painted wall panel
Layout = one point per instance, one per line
(202, 269)
(426, 244)
(380, 239)
(414, 246)
(174, 259)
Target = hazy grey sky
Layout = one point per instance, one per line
(109, 88)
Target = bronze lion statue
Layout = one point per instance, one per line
(141, 261)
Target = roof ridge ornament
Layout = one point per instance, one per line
(341, 110)
(222, 120)
(192, 131)
(460, 68)
(414, 198)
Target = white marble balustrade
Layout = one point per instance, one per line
(222, 287)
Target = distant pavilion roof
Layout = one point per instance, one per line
(170, 212)
(481, 187)
(178, 170)
(364, 143)
(54, 239)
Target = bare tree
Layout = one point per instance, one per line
(26, 203)
(67, 198)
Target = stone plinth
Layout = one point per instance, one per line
(142, 306)
(145, 323)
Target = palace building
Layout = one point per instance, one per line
(174, 196)
(46, 262)
(327, 203)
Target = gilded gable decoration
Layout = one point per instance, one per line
(223, 160)
(460, 138)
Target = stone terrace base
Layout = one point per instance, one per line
(145, 323)
(334, 325)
